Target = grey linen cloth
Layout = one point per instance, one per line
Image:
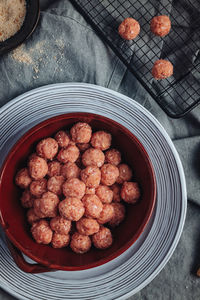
(65, 48)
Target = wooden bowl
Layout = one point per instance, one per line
(13, 215)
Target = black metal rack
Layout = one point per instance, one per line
(178, 94)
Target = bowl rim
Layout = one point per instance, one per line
(121, 250)
(26, 29)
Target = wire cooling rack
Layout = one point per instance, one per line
(178, 94)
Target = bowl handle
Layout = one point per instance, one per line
(23, 264)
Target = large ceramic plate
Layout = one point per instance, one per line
(130, 272)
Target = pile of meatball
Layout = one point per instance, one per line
(129, 29)
(73, 185)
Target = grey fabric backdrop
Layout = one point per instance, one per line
(65, 48)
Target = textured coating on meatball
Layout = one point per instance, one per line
(103, 238)
(60, 225)
(90, 191)
(93, 157)
(119, 214)
(101, 140)
(47, 148)
(27, 199)
(82, 147)
(87, 226)
(91, 176)
(81, 133)
(70, 170)
(31, 216)
(38, 187)
(129, 29)
(113, 156)
(72, 209)
(116, 188)
(109, 174)
(160, 25)
(93, 206)
(60, 240)
(106, 214)
(74, 187)
(62, 139)
(104, 193)
(46, 206)
(71, 154)
(130, 192)
(55, 183)
(125, 173)
(42, 232)
(80, 243)
(23, 178)
(162, 69)
(38, 167)
(54, 168)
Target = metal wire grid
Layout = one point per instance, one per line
(178, 94)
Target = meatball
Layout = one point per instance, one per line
(162, 69)
(55, 183)
(87, 226)
(104, 193)
(119, 214)
(109, 174)
(103, 238)
(54, 168)
(130, 192)
(80, 243)
(60, 225)
(106, 214)
(90, 191)
(60, 240)
(81, 133)
(93, 206)
(70, 170)
(71, 143)
(23, 178)
(125, 173)
(38, 167)
(38, 187)
(72, 209)
(129, 29)
(71, 153)
(31, 216)
(33, 155)
(160, 25)
(93, 157)
(113, 157)
(83, 146)
(62, 139)
(116, 188)
(42, 232)
(101, 140)
(46, 206)
(47, 148)
(27, 199)
(91, 176)
(74, 187)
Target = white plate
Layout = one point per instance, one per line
(135, 268)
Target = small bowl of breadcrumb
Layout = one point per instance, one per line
(18, 20)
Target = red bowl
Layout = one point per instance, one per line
(13, 216)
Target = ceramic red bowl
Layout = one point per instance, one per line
(13, 216)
